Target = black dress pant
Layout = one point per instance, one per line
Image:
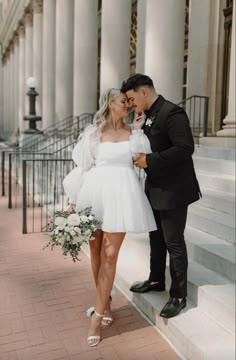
(170, 237)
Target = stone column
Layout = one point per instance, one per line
(198, 48)
(16, 81)
(85, 56)
(4, 71)
(11, 90)
(64, 58)
(164, 46)
(1, 96)
(141, 27)
(115, 46)
(22, 87)
(37, 52)
(229, 130)
(7, 94)
(28, 54)
(0, 12)
(49, 38)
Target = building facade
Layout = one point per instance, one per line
(75, 49)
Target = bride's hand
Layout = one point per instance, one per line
(71, 208)
(139, 120)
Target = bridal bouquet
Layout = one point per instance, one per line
(71, 230)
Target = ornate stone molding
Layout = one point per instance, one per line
(7, 54)
(21, 29)
(11, 47)
(16, 38)
(4, 59)
(28, 18)
(37, 6)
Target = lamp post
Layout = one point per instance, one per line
(32, 117)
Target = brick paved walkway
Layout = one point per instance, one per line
(43, 298)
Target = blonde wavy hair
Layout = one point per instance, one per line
(101, 116)
(92, 132)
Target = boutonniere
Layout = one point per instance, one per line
(149, 122)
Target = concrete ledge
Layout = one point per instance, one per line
(218, 200)
(213, 222)
(229, 142)
(214, 152)
(213, 253)
(217, 182)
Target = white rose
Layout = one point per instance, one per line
(83, 219)
(67, 229)
(56, 232)
(73, 220)
(62, 240)
(75, 240)
(87, 232)
(91, 217)
(77, 230)
(61, 227)
(60, 221)
(73, 233)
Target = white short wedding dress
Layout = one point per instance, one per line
(105, 179)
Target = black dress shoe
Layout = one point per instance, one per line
(145, 286)
(173, 307)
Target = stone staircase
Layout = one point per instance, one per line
(205, 330)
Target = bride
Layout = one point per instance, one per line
(105, 180)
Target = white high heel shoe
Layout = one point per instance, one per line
(107, 320)
(93, 340)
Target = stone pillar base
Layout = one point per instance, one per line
(229, 129)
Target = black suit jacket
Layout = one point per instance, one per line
(171, 180)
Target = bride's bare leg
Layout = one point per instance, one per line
(95, 253)
(110, 249)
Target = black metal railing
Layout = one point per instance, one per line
(57, 141)
(196, 108)
(42, 191)
(61, 148)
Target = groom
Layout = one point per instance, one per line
(171, 185)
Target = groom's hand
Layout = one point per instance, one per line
(140, 161)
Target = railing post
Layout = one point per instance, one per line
(3, 173)
(24, 200)
(10, 183)
(206, 117)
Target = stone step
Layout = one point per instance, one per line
(213, 253)
(215, 152)
(212, 222)
(213, 295)
(211, 292)
(218, 142)
(218, 200)
(216, 166)
(195, 335)
(217, 182)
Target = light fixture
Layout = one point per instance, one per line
(31, 82)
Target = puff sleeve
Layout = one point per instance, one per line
(84, 157)
(139, 142)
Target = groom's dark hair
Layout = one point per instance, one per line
(134, 82)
